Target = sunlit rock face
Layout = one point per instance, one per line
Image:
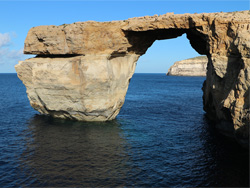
(189, 67)
(82, 70)
(87, 88)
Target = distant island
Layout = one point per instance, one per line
(196, 66)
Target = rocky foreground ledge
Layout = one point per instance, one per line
(196, 66)
(82, 70)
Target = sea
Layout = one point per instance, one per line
(161, 138)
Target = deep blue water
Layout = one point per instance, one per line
(161, 138)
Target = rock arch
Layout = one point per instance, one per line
(82, 70)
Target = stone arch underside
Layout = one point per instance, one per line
(142, 40)
(82, 70)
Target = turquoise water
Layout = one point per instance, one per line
(161, 138)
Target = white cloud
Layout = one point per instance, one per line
(11, 56)
(8, 55)
(15, 54)
(4, 39)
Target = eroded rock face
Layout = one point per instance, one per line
(83, 69)
(226, 95)
(189, 67)
(87, 88)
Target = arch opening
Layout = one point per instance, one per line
(147, 90)
(140, 41)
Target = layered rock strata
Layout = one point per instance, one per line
(82, 70)
(189, 67)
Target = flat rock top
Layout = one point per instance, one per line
(121, 37)
(198, 59)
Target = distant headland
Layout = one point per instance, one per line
(196, 66)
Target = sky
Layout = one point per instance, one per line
(17, 17)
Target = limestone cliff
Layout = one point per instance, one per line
(189, 67)
(87, 88)
(83, 69)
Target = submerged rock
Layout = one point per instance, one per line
(189, 67)
(83, 69)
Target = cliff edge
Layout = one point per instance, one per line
(196, 66)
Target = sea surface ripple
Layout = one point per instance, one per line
(161, 138)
